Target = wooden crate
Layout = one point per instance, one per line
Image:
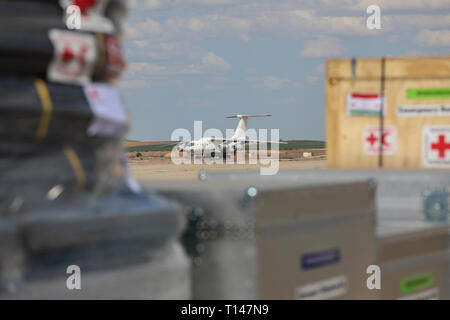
(348, 139)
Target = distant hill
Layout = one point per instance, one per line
(136, 146)
(130, 144)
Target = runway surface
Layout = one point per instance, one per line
(165, 169)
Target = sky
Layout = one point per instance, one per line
(207, 59)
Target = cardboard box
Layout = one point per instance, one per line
(277, 240)
(414, 260)
(400, 194)
(416, 113)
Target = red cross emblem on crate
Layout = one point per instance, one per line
(436, 146)
(372, 140)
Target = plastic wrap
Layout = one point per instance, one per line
(125, 245)
(99, 16)
(60, 142)
(66, 196)
(43, 48)
(68, 117)
(34, 175)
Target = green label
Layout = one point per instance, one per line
(416, 283)
(429, 93)
(365, 112)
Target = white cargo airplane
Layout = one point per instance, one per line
(212, 146)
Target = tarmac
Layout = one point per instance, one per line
(165, 169)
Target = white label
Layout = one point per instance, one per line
(365, 104)
(74, 57)
(431, 294)
(436, 146)
(325, 289)
(372, 139)
(110, 117)
(92, 15)
(440, 110)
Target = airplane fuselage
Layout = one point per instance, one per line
(209, 146)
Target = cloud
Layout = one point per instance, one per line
(175, 36)
(210, 64)
(419, 5)
(306, 21)
(141, 43)
(208, 2)
(216, 62)
(415, 21)
(323, 46)
(195, 102)
(192, 69)
(205, 3)
(244, 38)
(287, 100)
(318, 75)
(134, 84)
(176, 29)
(274, 83)
(434, 38)
(144, 67)
(153, 4)
(147, 27)
(195, 24)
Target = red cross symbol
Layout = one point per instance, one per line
(93, 94)
(371, 139)
(383, 139)
(67, 55)
(84, 5)
(441, 146)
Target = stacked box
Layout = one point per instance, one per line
(70, 213)
(390, 112)
(404, 198)
(119, 248)
(401, 194)
(277, 240)
(62, 122)
(10, 257)
(414, 260)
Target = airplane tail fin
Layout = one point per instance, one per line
(241, 128)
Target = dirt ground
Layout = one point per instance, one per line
(165, 169)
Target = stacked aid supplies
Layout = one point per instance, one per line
(66, 197)
(35, 40)
(61, 121)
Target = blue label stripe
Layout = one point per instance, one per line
(320, 258)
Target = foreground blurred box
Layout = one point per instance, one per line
(114, 248)
(401, 194)
(277, 240)
(414, 260)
